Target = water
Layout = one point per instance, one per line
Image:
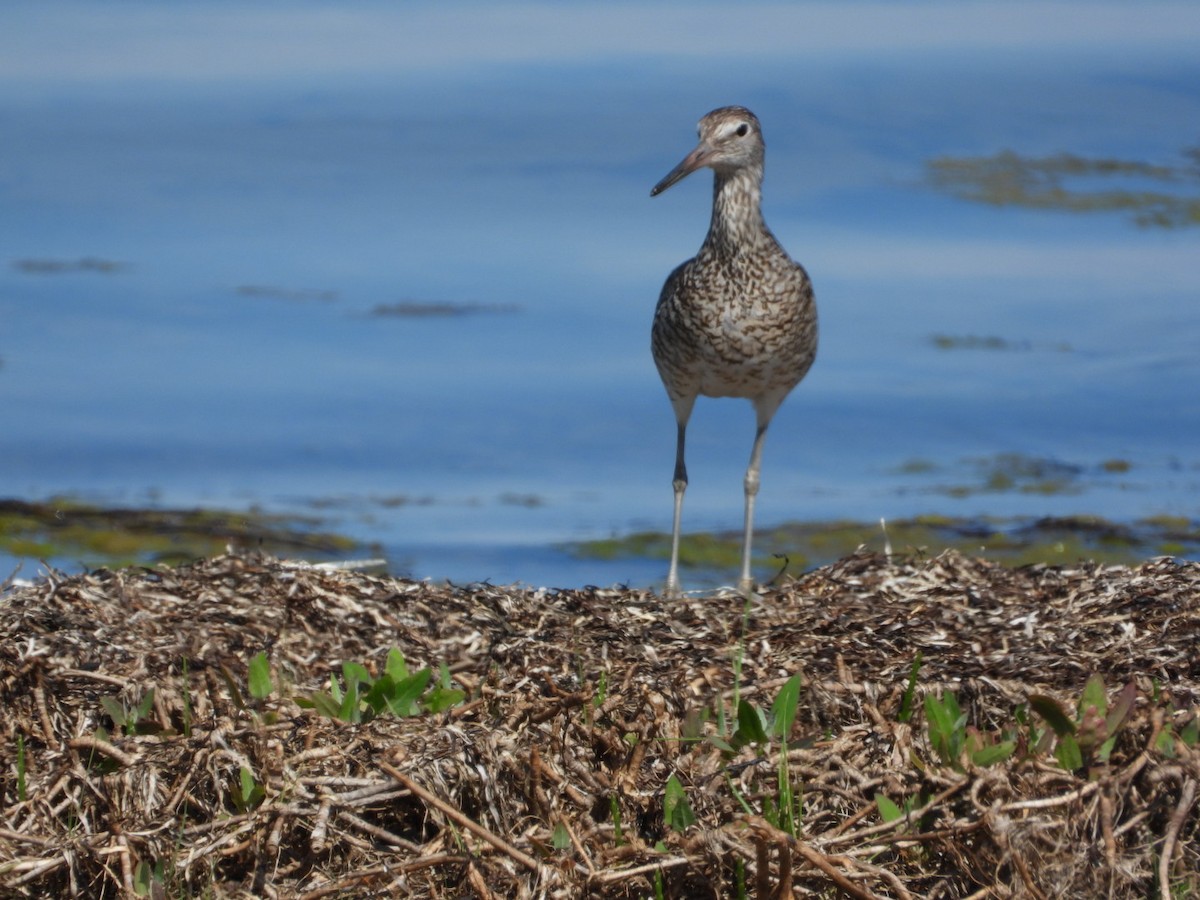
(265, 176)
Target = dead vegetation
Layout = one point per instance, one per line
(585, 712)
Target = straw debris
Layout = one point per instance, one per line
(135, 759)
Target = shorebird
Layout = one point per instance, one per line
(738, 320)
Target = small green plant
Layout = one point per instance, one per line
(677, 813)
(1169, 736)
(601, 689)
(134, 719)
(360, 698)
(614, 811)
(787, 813)
(888, 810)
(248, 794)
(1089, 737)
(910, 689)
(599, 696)
(146, 877)
(754, 727)
(758, 729)
(947, 726)
(259, 685)
(956, 743)
(443, 696)
(258, 676)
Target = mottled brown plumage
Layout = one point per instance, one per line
(739, 319)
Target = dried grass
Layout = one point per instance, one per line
(466, 803)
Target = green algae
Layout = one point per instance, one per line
(69, 529)
(1066, 182)
(1019, 473)
(1016, 541)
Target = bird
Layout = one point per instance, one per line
(737, 320)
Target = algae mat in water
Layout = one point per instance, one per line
(63, 528)
(797, 546)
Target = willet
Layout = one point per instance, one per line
(738, 320)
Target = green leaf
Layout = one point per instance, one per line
(142, 877)
(888, 810)
(721, 744)
(1093, 696)
(750, 725)
(356, 674)
(247, 782)
(947, 727)
(1165, 743)
(614, 812)
(326, 705)
(403, 701)
(259, 676)
(1050, 710)
(601, 687)
(1068, 754)
(379, 693)
(787, 801)
(1106, 749)
(441, 699)
(990, 755)
(445, 695)
(116, 711)
(676, 812)
(910, 689)
(1190, 734)
(771, 811)
(562, 837)
(350, 709)
(251, 793)
(783, 710)
(942, 712)
(395, 665)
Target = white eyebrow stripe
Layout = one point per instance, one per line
(729, 128)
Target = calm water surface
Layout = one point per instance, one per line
(204, 208)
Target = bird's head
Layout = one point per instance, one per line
(730, 139)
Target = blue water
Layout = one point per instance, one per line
(265, 175)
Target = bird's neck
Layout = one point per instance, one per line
(737, 221)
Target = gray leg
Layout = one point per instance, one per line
(746, 582)
(680, 485)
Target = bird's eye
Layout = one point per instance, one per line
(742, 129)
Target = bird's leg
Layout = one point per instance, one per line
(746, 582)
(680, 485)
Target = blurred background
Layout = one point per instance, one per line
(388, 271)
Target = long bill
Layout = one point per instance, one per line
(693, 161)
